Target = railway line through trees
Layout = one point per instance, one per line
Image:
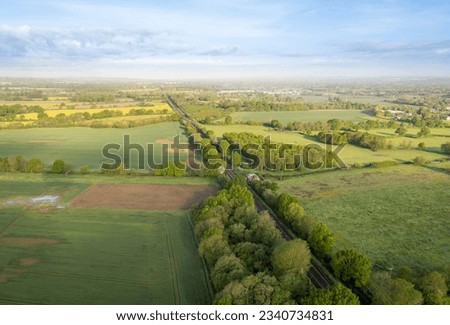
(315, 273)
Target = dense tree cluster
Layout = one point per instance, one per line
(366, 140)
(445, 147)
(249, 263)
(13, 112)
(21, 165)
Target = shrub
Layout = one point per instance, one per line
(58, 166)
(384, 164)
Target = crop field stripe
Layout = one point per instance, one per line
(18, 302)
(80, 193)
(89, 277)
(11, 224)
(206, 272)
(173, 265)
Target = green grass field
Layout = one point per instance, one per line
(398, 215)
(82, 146)
(303, 116)
(350, 154)
(65, 255)
(432, 142)
(350, 98)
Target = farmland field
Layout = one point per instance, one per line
(303, 116)
(397, 215)
(432, 142)
(53, 253)
(157, 107)
(54, 104)
(82, 146)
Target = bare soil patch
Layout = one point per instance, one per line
(28, 241)
(28, 261)
(143, 196)
(42, 141)
(163, 141)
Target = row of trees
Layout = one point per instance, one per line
(80, 120)
(317, 234)
(249, 262)
(18, 164)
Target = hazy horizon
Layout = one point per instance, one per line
(231, 40)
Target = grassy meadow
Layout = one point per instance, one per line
(303, 116)
(397, 215)
(350, 154)
(83, 146)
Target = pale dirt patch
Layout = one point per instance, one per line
(29, 261)
(42, 141)
(143, 196)
(10, 273)
(28, 241)
(163, 141)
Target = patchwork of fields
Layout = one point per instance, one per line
(398, 215)
(350, 154)
(54, 253)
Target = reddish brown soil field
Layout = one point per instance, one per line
(143, 196)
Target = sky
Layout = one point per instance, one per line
(225, 39)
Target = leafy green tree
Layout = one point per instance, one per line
(307, 225)
(212, 248)
(239, 195)
(445, 147)
(401, 131)
(263, 231)
(228, 120)
(228, 268)
(321, 240)
(58, 167)
(236, 159)
(258, 289)
(255, 256)
(351, 267)
(17, 164)
(419, 160)
(293, 216)
(224, 145)
(388, 291)
(84, 170)
(276, 124)
(298, 284)
(334, 124)
(284, 200)
(424, 131)
(291, 257)
(337, 294)
(35, 166)
(434, 288)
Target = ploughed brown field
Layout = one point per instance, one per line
(143, 196)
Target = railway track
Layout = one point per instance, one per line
(318, 279)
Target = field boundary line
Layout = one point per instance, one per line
(9, 225)
(173, 265)
(205, 269)
(90, 277)
(85, 190)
